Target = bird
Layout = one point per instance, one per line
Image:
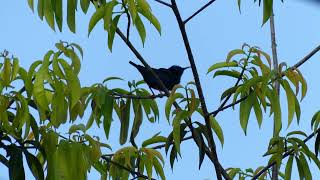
(169, 76)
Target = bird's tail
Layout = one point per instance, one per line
(133, 64)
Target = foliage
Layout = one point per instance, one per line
(51, 95)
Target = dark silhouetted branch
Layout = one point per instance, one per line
(197, 12)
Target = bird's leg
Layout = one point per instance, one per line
(151, 91)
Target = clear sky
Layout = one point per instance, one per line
(212, 34)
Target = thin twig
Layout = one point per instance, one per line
(197, 12)
(285, 155)
(221, 107)
(306, 58)
(164, 3)
(199, 89)
(214, 113)
(127, 169)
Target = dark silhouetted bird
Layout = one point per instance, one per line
(169, 77)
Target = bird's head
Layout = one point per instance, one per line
(177, 70)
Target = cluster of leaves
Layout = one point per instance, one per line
(104, 101)
(52, 89)
(280, 147)
(144, 159)
(296, 149)
(255, 86)
(108, 11)
(182, 119)
(257, 91)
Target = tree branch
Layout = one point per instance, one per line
(199, 89)
(275, 168)
(127, 169)
(306, 58)
(221, 107)
(163, 3)
(284, 156)
(117, 96)
(197, 12)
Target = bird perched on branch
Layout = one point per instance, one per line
(169, 77)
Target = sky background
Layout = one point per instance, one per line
(212, 34)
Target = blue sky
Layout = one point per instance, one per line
(212, 34)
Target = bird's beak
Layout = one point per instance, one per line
(186, 68)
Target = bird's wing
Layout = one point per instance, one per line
(164, 74)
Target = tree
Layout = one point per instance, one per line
(51, 94)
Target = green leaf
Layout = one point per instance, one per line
(305, 167)
(71, 10)
(245, 109)
(297, 109)
(153, 140)
(233, 172)
(76, 64)
(15, 68)
(232, 73)
(144, 9)
(176, 128)
(38, 87)
(78, 48)
(76, 127)
(289, 168)
(73, 83)
(59, 13)
(108, 15)
(239, 5)
(30, 3)
(107, 111)
(85, 5)
(41, 8)
(141, 29)
(138, 117)
(267, 10)
(95, 18)
(233, 53)
(112, 32)
(49, 14)
(300, 168)
(158, 168)
(257, 110)
(125, 120)
(171, 99)
(132, 9)
(228, 92)
(34, 165)
(217, 129)
(297, 133)
(6, 73)
(275, 104)
(16, 170)
(222, 65)
(290, 100)
(34, 127)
